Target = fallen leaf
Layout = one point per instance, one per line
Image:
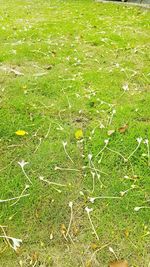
(119, 264)
(21, 132)
(110, 132)
(123, 129)
(79, 134)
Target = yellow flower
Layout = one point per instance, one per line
(79, 134)
(21, 132)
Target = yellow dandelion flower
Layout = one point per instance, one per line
(79, 134)
(21, 132)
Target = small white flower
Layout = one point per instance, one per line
(142, 207)
(106, 141)
(22, 163)
(117, 65)
(64, 146)
(137, 208)
(113, 111)
(111, 250)
(92, 199)
(122, 193)
(56, 168)
(52, 183)
(88, 210)
(125, 87)
(16, 243)
(102, 126)
(64, 143)
(89, 156)
(122, 70)
(139, 140)
(70, 204)
(41, 178)
(146, 141)
(77, 95)
(27, 186)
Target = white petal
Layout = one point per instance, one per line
(16, 243)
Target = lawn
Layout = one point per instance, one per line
(75, 128)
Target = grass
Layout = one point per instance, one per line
(75, 57)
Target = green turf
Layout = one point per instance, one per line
(75, 57)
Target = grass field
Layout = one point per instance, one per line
(74, 79)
